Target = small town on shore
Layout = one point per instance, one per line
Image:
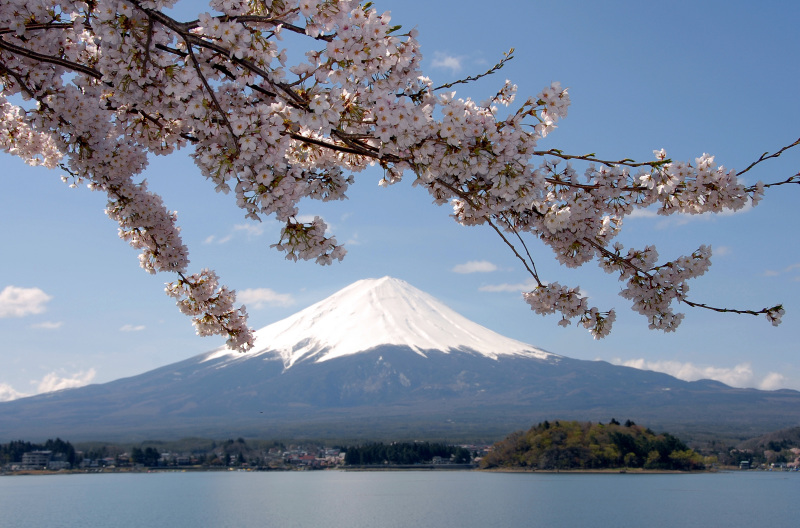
(547, 446)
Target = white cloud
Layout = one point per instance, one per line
(445, 61)
(53, 382)
(737, 376)
(643, 213)
(773, 381)
(514, 288)
(306, 218)
(48, 325)
(8, 393)
(19, 302)
(251, 230)
(475, 266)
(49, 383)
(257, 298)
(131, 328)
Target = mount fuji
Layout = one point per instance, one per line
(382, 359)
(375, 313)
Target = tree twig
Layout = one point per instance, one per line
(507, 56)
(766, 156)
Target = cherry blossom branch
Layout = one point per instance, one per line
(771, 312)
(763, 311)
(48, 59)
(627, 162)
(32, 26)
(222, 113)
(302, 130)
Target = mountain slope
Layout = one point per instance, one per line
(378, 360)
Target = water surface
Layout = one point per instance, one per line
(437, 499)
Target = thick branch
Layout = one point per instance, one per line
(211, 94)
(17, 50)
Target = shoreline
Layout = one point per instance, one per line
(383, 468)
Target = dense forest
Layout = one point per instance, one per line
(584, 445)
(404, 453)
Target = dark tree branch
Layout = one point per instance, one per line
(766, 156)
(513, 248)
(507, 56)
(39, 57)
(223, 115)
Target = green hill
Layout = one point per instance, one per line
(585, 445)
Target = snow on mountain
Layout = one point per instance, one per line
(375, 312)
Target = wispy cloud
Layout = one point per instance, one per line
(447, 62)
(680, 219)
(475, 266)
(48, 325)
(787, 270)
(131, 328)
(740, 375)
(258, 298)
(19, 302)
(514, 288)
(213, 239)
(249, 230)
(53, 382)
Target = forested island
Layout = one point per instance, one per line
(584, 445)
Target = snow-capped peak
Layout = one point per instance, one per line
(374, 312)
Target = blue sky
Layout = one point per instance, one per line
(691, 77)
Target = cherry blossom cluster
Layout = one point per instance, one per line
(108, 83)
(304, 241)
(211, 307)
(19, 139)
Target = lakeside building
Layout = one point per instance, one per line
(36, 459)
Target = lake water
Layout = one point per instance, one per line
(439, 499)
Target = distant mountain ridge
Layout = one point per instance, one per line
(383, 360)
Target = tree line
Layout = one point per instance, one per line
(584, 445)
(404, 453)
(13, 451)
